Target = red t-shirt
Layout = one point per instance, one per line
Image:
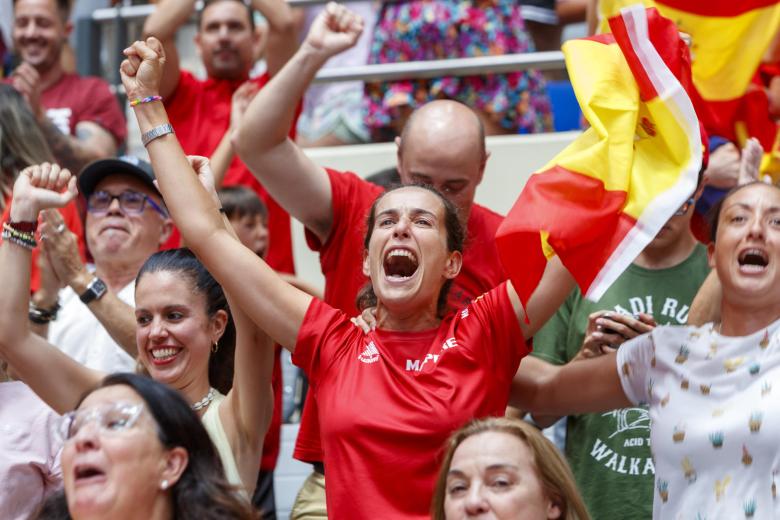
(70, 215)
(74, 99)
(392, 399)
(340, 260)
(200, 113)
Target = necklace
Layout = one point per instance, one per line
(203, 403)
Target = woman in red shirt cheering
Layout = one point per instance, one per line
(391, 398)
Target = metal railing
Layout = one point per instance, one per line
(551, 60)
(134, 12)
(119, 18)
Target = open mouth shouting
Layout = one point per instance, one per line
(753, 260)
(400, 264)
(86, 474)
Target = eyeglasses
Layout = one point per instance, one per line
(131, 202)
(685, 207)
(111, 418)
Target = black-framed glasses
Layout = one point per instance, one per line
(131, 202)
(685, 207)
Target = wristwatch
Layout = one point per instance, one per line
(95, 290)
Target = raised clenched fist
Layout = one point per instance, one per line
(334, 30)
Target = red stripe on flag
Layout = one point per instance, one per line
(717, 7)
(664, 38)
(584, 221)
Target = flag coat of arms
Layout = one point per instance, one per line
(600, 201)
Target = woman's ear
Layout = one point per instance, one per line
(366, 265)
(175, 461)
(219, 323)
(453, 265)
(553, 509)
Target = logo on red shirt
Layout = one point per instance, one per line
(370, 355)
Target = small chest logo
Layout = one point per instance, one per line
(370, 354)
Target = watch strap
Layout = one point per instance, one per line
(154, 133)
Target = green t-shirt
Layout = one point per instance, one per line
(610, 453)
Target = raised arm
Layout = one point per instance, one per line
(554, 287)
(164, 22)
(282, 38)
(61, 250)
(223, 155)
(56, 378)
(294, 180)
(275, 306)
(246, 411)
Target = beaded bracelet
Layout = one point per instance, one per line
(26, 236)
(149, 99)
(23, 242)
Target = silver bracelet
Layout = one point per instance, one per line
(154, 133)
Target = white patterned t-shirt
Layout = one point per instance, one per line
(715, 419)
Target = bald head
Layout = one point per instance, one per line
(443, 145)
(445, 121)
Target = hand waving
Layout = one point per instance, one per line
(40, 187)
(142, 70)
(334, 30)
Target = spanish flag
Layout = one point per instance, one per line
(602, 199)
(728, 39)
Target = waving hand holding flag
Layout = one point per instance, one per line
(602, 199)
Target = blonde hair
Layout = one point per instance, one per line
(551, 468)
(22, 143)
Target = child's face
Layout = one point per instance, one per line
(252, 232)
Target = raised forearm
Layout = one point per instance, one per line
(221, 158)
(270, 114)
(167, 17)
(15, 280)
(185, 198)
(282, 35)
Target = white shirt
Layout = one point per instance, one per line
(79, 334)
(29, 451)
(715, 416)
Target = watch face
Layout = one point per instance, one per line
(95, 290)
(98, 287)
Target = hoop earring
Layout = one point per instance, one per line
(215, 348)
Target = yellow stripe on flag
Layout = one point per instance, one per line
(609, 98)
(726, 50)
